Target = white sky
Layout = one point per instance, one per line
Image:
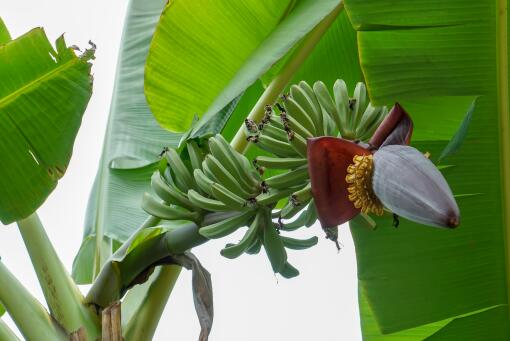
(250, 302)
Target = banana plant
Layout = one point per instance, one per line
(270, 98)
(44, 92)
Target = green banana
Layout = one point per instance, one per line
(275, 120)
(227, 226)
(303, 196)
(169, 192)
(326, 102)
(203, 181)
(230, 199)
(297, 223)
(238, 163)
(248, 168)
(208, 172)
(254, 247)
(274, 132)
(229, 158)
(279, 148)
(298, 143)
(368, 117)
(330, 128)
(223, 177)
(279, 163)
(299, 244)
(274, 195)
(235, 250)
(306, 102)
(157, 209)
(196, 155)
(369, 131)
(274, 248)
(312, 214)
(288, 271)
(360, 104)
(290, 210)
(294, 177)
(291, 124)
(207, 204)
(183, 178)
(311, 95)
(296, 111)
(341, 96)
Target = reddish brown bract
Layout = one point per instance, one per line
(328, 159)
(396, 128)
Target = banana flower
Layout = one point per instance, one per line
(350, 177)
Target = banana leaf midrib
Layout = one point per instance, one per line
(504, 123)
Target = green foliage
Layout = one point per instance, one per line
(182, 80)
(43, 95)
(130, 154)
(5, 37)
(412, 277)
(457, 141)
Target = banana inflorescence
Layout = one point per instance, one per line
(210, 176)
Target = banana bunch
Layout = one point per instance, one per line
(311, 112)
(213, 177)
(304, 113)
(216, 178)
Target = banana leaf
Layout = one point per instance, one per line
(414, 277)
(132, 146)
(205, 53)
(43, 94)
(4, 33)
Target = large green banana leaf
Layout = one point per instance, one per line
(132, 145)
(418, 282)
(205, 53)
(43, 94)
(4, 33)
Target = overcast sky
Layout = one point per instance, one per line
(250, 302)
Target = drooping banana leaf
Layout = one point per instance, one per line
(43, 94)
(413, 277)
(205, 53)
(132, 146)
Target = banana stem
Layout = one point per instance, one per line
(278, 84)
(6, 333)
(142, 321)
(123, 269)
(62, 295)
(32, 320)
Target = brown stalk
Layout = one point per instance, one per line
(111, 323)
